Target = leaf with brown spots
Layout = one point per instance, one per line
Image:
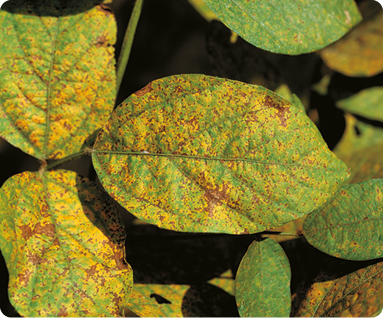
(63, 244)
(358, 294)
(57, 74)
(288, 26)
(196, 153)
(349, 225)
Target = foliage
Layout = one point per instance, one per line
(235, 179)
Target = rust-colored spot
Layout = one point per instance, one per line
(101, 41)
(281, 110)
(148, 88)
(108, 11)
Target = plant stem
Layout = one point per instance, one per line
(128, 40)
(281, 233)
(62, 161)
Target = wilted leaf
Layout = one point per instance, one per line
(367, 103)
(359, 53)
(288, 27)
(357, 136)
(349, 225)
(205, 300)
(358, 294)
(203, 9)
(63, 244)
(263, 281)
(196, 153)
(366, 164)
(57, 74)
(361, 149)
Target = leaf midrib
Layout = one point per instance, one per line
(49, 91)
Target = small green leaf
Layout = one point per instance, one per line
(63, 244)
(357, 294)
(196, 153)
(289, 26)
(359, 53)
(367, 103)
(263, 281)
(350, 225)
(57, 74)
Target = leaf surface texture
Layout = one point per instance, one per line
(349, 225)
(287, 27)
(63, 244)
(57, 71)
(263, 281)
(196, 153)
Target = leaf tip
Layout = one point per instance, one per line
(143, 91)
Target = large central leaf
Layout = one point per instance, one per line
(196, 153)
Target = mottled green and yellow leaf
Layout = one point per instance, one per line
(357, 294)
(359, 53)
(196, 153)
(289, 26)
(64, 245)
(263, 281)
(57, 74)
(350, 224)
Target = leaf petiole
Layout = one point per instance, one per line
(84, 152)
(128, 41)
(282, 233)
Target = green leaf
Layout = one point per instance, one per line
(57, 74)
(196, 153)
(367, 103)
(357, 294)
(359, 53)
(63, 244)
(288, 27)
(349, 225)
(263, 281)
